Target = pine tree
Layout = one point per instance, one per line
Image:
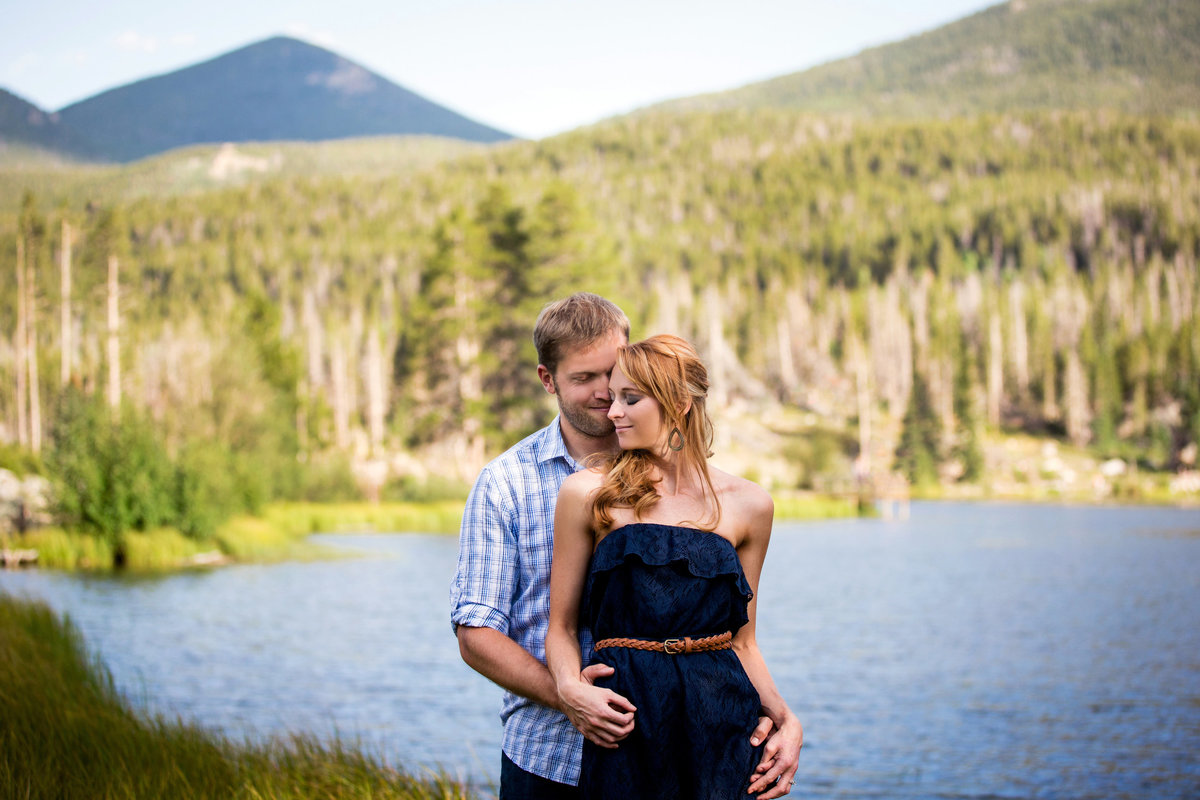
(917, 454)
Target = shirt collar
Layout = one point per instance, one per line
(551, 445)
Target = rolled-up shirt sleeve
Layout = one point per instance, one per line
(485, 580)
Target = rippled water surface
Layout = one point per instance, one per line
(971, 651)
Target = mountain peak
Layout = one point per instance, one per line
(280, 88)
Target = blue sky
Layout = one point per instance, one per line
(530, 67)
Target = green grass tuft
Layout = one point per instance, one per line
(800, 506)
(65, 732)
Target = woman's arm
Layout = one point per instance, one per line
(602, 715)
(781, 756)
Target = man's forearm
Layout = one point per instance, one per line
(504, 662)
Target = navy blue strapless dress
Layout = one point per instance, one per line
(695, 712)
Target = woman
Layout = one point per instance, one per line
(660, 555)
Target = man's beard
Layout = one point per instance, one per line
(579, 419)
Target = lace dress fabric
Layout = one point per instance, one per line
(695, 712)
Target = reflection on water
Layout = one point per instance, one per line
(970, 651)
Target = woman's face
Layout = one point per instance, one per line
(637, 417)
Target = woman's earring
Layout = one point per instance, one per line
(671, 440)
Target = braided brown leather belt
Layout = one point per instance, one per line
(721, 641)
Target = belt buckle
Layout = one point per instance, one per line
(673, 646)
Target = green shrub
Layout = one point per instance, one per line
(817, 453)
(328, 479)
(113, 474)
(206, 489)
(20, 461)
(80, 449)
(409, 489)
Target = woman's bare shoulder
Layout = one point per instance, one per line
(743, 497)
(582, 483)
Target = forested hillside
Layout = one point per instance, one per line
(207, 168)
(1137, 56)
(909, 285)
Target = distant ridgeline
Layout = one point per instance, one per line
(1032, 270)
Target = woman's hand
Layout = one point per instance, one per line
(601, 715)
(776, 773)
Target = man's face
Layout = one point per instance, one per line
(580, 385)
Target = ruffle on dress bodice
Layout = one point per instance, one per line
(690, 583)
(706, 554)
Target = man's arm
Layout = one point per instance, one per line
(502, 661)
(480, 598)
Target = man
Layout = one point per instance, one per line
(500, 596)
(501, 592)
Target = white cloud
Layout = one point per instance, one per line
(182, 40)
(133, 41)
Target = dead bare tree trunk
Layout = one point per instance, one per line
(890, 345)
(1019, 340)
(667, 307)
(787, 362)
(68, 347)
(862, 384)
(470, 378)
(376, 393)
(714, 309)
(341, 399)
(354, 349)
(1049, 386)
(314, 383)
(315, 346)
(941, 390)
(1078, 409)
(114, 342)
(20, 339)
(35, 400)
(995, 368)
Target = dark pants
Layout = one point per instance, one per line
(517, 784)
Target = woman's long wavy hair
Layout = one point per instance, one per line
(668, 369)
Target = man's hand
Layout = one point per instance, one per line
(602, 715)
(761, 731)
(775, 774)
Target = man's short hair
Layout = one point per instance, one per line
(581, 319)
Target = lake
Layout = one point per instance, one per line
(970, 651)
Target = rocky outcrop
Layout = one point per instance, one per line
(24, 502)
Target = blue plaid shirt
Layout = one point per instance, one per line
(503, 582)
